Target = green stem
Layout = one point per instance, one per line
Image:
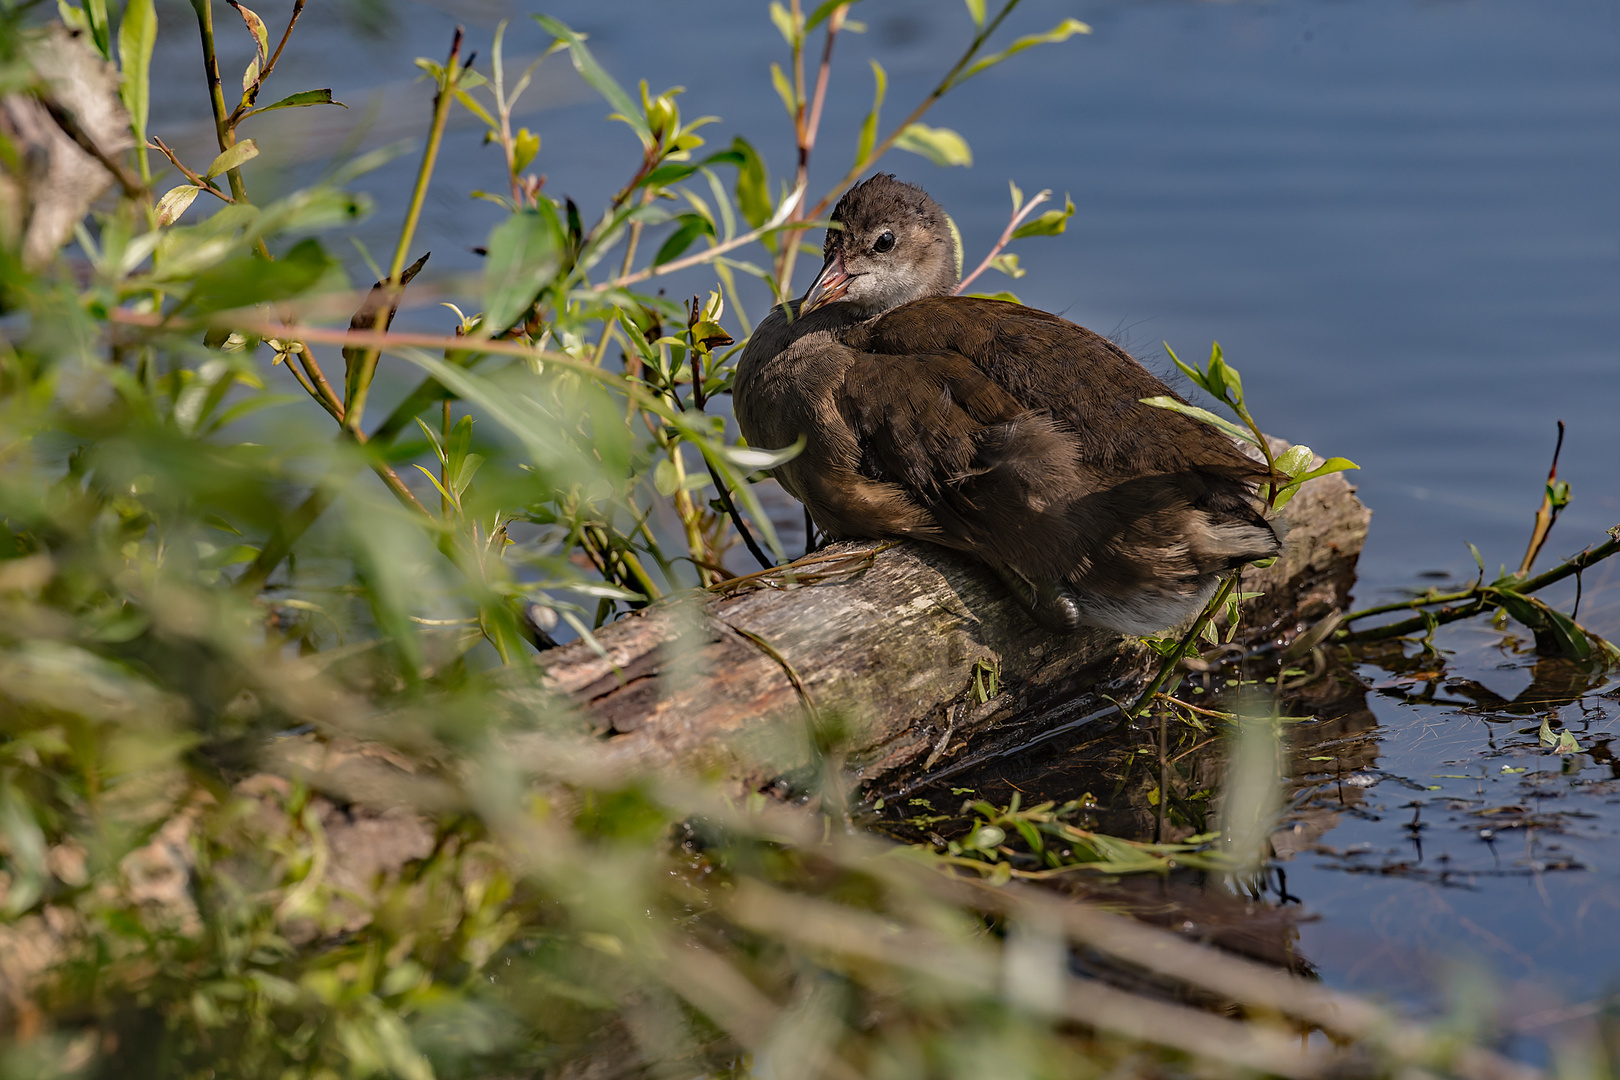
(1409, 605)
(224, 133)
(224, 126)
(430, 157)
(1479, 598)
(359, 384)
(1181, 649)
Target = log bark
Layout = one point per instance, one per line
(904, 657)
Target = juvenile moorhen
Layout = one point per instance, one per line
(992, 428)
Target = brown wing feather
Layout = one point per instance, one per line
(998, 478)
(1114, 492)
(1080, 378)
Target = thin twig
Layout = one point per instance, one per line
(327, 396)
(1480, 598)
(806, 128)
(1547, 512)
(224, 131)
(1190, 707)
(1431, 597)
(197, 181)
(939, 91)
(357, 386)
(249, 100)
(737, 518)
(709, 253)
(1005, 239)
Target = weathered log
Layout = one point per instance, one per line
(903, 656)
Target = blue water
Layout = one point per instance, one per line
(1399, 218)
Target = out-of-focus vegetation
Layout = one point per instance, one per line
(208, 584)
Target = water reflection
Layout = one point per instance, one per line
(1426, 817)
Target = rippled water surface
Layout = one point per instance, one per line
(1399, 219)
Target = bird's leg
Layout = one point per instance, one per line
(1052, 606)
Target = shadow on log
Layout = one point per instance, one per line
(916, 656)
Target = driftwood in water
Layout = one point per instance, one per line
(913, 653)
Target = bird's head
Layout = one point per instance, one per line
(890, 244)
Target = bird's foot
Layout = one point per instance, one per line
(1053, 607)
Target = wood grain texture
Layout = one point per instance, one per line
(886, 649)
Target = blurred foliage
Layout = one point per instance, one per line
(208, 584)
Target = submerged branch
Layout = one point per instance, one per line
(1476, 600)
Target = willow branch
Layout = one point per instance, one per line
(1006, 238)
(721, 248)
(241, 111)
(1479, 598)
(201, 182)
(806, 129)
(358, 384)
(916, 114)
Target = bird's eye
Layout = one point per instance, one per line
(884, 243)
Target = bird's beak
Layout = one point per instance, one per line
(830, 285)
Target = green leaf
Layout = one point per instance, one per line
(869, 126)
(753, 458)
(593, 73)
(137, 34)
(785, 25)
(300, 100)
(1567, 744)
(1003, 295)
(784, 90)
(541, 431)
(665, 478)
(1331, 465)
(1479, 560)
(175, 202)
(753, 185)
(942, 146)
(246, 279)
(1545, 622)
(1295, 460)
(1216, 373)
(824, 11)
(525, 145)
(244, 151)
(100, 32)
(1063, 31)
(256, 27)
(1051, 223)
(72, 17)
(1008, 264)
(1165, 402)
(525, 253)
(471, 104)
(1197, 377)
(673, 172)
(692, 226)
(1572, 640)
(976, 12)
(460, 443)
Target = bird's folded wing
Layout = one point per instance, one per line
(997, 477)
(1081, 379)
